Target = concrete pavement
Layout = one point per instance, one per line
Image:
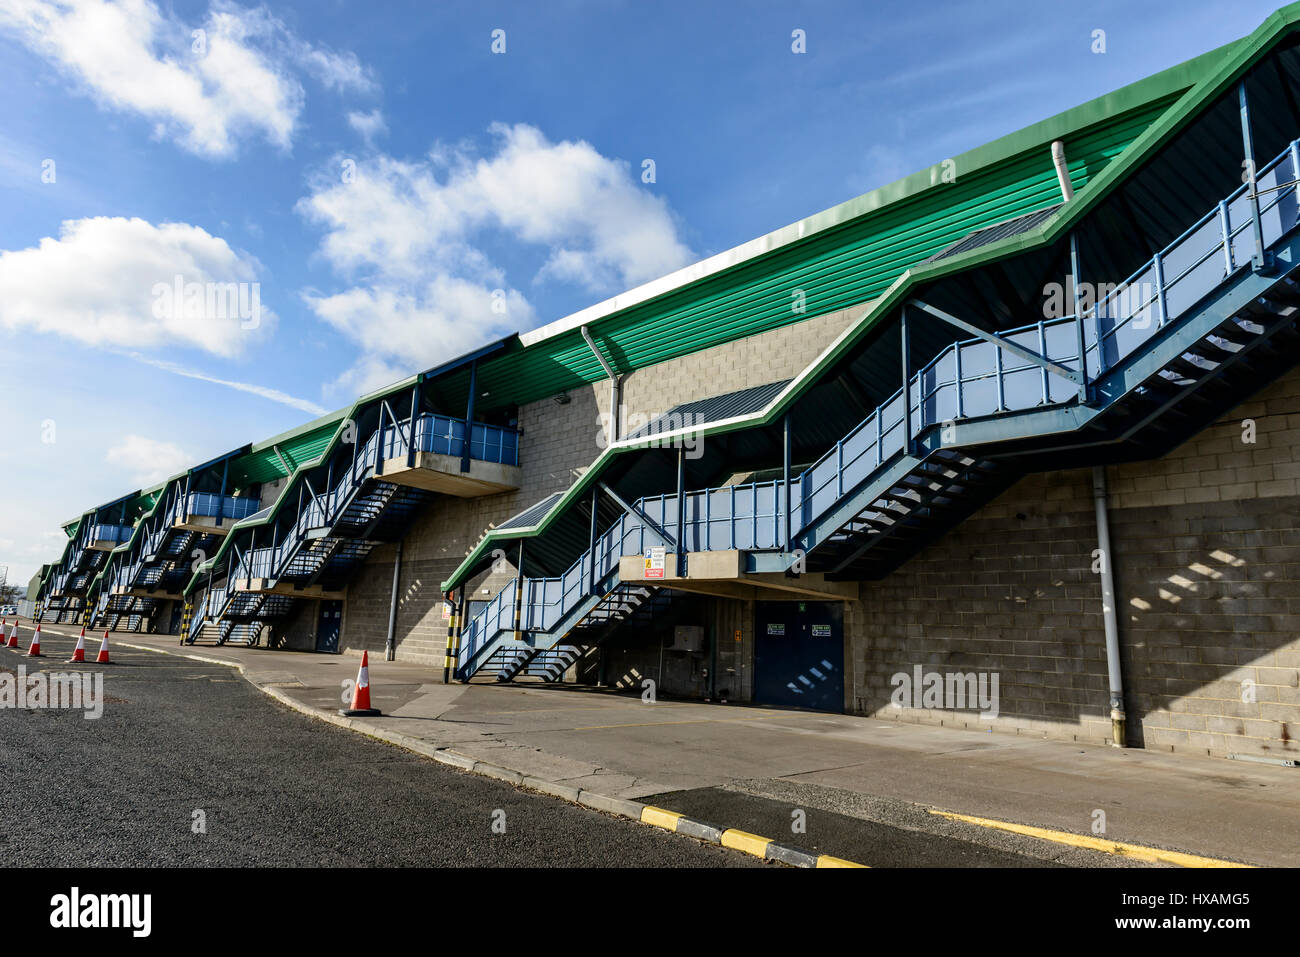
(857, 768)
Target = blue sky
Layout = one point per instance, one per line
(226, 157)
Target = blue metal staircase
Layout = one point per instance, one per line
(136, 611)
(1192, 332)
(335, 529)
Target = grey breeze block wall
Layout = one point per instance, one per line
(558, 443)
(1207, 567)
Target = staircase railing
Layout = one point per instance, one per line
(968, 379)
(322, 511)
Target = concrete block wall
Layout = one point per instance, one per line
(270, 492)
(558, 442)
(1207, 567)
(299, 632)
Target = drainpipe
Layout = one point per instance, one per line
(1109, 618)
(390, 648)
(615, 387)
(1062, 170)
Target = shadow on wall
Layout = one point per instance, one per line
(1208, 608)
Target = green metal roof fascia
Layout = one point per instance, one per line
(873, 249)
(54, 566)
(982, 158)
(339, 429)
(1242, 54)
(139, 526)
(129, 499)
(1135, 95)
(564, 360)
(298, 432)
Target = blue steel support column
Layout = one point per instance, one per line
(1078, 321)
(1258, 261)
(907, 377)
(519, 595)
(379, 443)
(469, 415)
(591, 572)
(410, 445)
(681, 511)
(225, 469)
(785, 477)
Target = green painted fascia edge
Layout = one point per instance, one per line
(309, 427)
(54, 566)
(1170, 81)
(1175, 79)
(131, 498)
(1243, 53)
(1109, 105)
(127, 546)
(313, 425)
(250, 522)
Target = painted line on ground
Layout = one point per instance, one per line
(1140, 852)
(621, 807)
(739, 840)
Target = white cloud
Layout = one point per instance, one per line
(335, 71)
(370, 125)
(148, 461)
(274, 395)
(403, 332)
(237, 78)
(110, 281)
(412, 236)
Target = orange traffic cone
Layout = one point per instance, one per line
(102, 657)
(79, 653)
(35, 650)
(13, 635)
(361, 693)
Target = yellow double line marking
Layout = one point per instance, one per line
(1139, 852)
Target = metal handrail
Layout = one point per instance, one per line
(547, 600)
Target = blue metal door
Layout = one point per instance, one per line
(799, 654)
(328, 626)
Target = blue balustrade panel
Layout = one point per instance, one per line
(230, 506)
(443, 435)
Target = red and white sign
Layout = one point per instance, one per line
(654, 562)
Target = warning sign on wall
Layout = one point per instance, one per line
(654, 562)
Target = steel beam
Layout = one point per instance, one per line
(469, 416)
(641, 517)
(1028, 355)
(1259, 260)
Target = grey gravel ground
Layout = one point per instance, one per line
(276, 788)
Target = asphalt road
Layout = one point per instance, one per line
(275, 788)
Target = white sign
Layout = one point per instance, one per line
(654, 562)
